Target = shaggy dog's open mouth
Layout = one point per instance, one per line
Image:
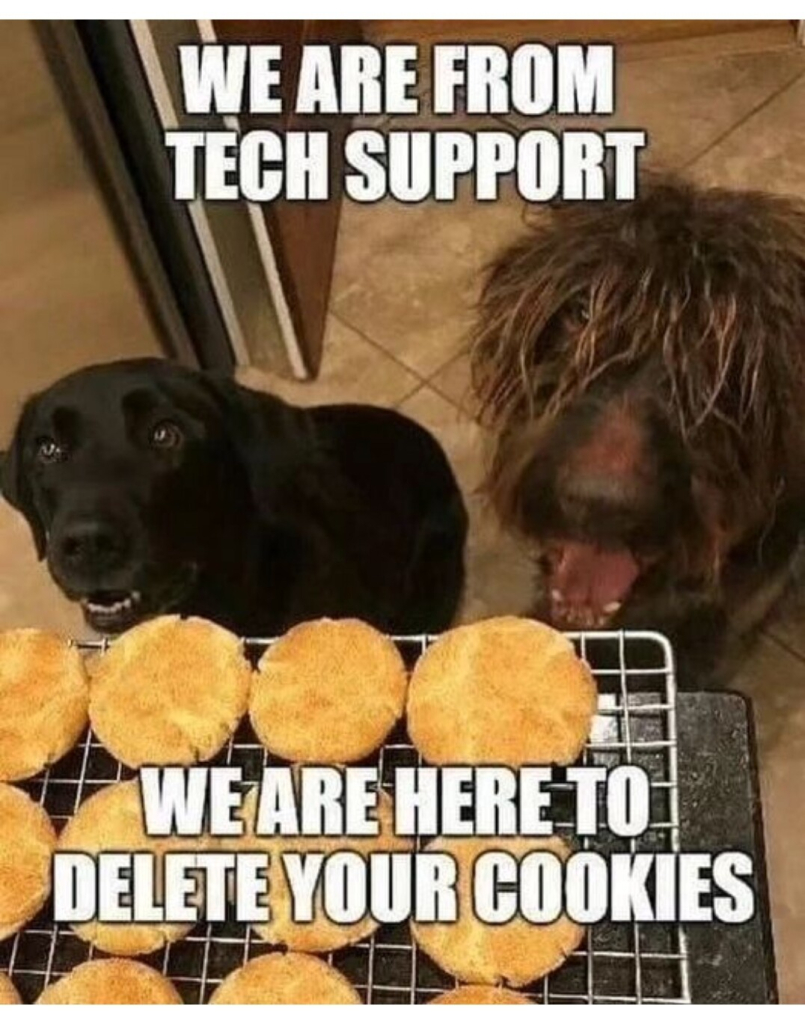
(113, 611)
(587, 584)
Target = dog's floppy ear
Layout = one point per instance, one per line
(16, 487)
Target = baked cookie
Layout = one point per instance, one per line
(504, 691)
(27, 841)
(111, 821)
(44, 697)
(169, 691)
(515, 953)
(320, 935)
(328, 692)
(9, 996)
(481, 995)
(119, 982)
(286, 978)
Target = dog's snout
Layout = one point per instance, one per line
(600, 505)
(598, 490)
(93, 543)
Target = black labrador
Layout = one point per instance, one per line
(151, 488)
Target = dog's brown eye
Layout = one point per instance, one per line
(48, 450)
(166, 435)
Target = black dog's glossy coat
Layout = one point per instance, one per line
(265, 515)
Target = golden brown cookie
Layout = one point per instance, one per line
(286, 978)
(320, 935)
(119, 982)
(9, 996)
(44, 697)
(27, 841)
(481, 995)
(515, 953)
(328, 692)
(504, 691)
(111, 821)
(169, 691)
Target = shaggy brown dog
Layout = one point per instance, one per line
(643, 367)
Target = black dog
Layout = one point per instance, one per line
(152, 488)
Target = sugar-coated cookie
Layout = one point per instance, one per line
(9, 996)
(111, 821)
(515, 953)
(169, 691)
(503, 691)
(482, 995)
(320, 935)
(108, 982)
(44, 696)
(328, 692)
(290, 978)
(27, 842)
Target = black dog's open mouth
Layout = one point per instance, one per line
(112, 611)
(106, 609)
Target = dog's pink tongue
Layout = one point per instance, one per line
(593, 577)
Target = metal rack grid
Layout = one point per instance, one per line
(619, 963)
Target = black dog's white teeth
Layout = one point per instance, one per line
(112, 607)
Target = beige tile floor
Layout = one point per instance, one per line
(404, 280)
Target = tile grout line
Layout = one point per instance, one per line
(784, 645)
(458, 406)
(462, 405)
(422, 380)
(376, 345)
(463, 351)
(410, 394)
(775, 94)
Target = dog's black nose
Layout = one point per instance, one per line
(93, 544)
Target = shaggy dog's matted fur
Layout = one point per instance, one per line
(642, 365)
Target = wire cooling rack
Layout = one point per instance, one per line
(619, 963)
